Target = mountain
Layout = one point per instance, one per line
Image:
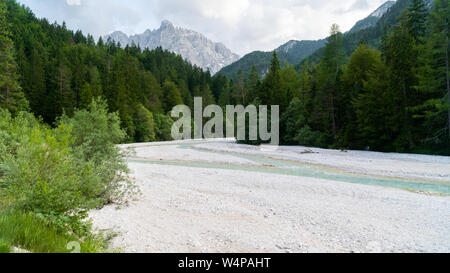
(191, 45)
(294, 52)
(373, 18)
(371, 35)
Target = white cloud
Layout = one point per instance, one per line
(242, 25)
(73, 2)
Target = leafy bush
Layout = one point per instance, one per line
(95, 133)
(60, 174)
(163, 127)
(307, 137)
(40, 174)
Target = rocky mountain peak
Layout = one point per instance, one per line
(373, 18)
(191, 45)
(382, 9)
(166, 24)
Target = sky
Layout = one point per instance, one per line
(242, 25)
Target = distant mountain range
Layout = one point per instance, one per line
(192, 46)
(294, 52)
(215, 57)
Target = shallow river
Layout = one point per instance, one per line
(295, 168)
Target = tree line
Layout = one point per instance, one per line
(58, 71)
(393, 97)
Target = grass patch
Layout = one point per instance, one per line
(5, 247)
(27, 231)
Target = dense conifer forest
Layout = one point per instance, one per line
(388, 96)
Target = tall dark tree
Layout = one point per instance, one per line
(417, 18)
(11, 96)
(328, 89)
(400, 53)
(433, 73)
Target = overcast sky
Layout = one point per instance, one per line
(242, 25)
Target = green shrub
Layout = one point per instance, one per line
(145, 125)
(163, 127)
(29, 232)
(60, 174)
(95, 133)
(307, 137)
(41, 175)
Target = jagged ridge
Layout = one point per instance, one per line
(191, 45)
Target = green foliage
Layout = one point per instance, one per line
(145, 128)
(260, 61)
(31, 233)
(417, 17)
(60, 71)
(163, 127)
(11, 96)
(307, 137)
(40, 174)
(95, 132)
(394, 101)
(363, 64)
(293, 121)
(59, 174)
(5, 247)
(172, 96)
(433, 78)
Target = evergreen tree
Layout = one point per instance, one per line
(417, 18)
(328, 81)
(145, 125)
(433, 73)
(362, 64)
(401, 55)
(172, 96)
(240, 89)
(254, 84)
(377, 111)
(11, 96)
(271, 91)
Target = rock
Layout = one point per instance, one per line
(192, 46)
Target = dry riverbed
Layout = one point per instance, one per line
(216, 196)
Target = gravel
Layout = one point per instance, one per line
(186, 209)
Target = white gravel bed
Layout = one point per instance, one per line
(184, 209)
(372, 163)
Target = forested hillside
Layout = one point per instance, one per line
(392, 99)
(60, 70)
(360, 92)
(290, 53)
(313, 50)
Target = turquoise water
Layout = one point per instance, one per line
(284, 167)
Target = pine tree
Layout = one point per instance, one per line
(240, 89)
(362, 64)
(330, 69)
(254, 84)
(401, 55)
(271, 92)
(433, 73)
(172, 96)
(306, 84)
(11, 96)
(417, 18)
